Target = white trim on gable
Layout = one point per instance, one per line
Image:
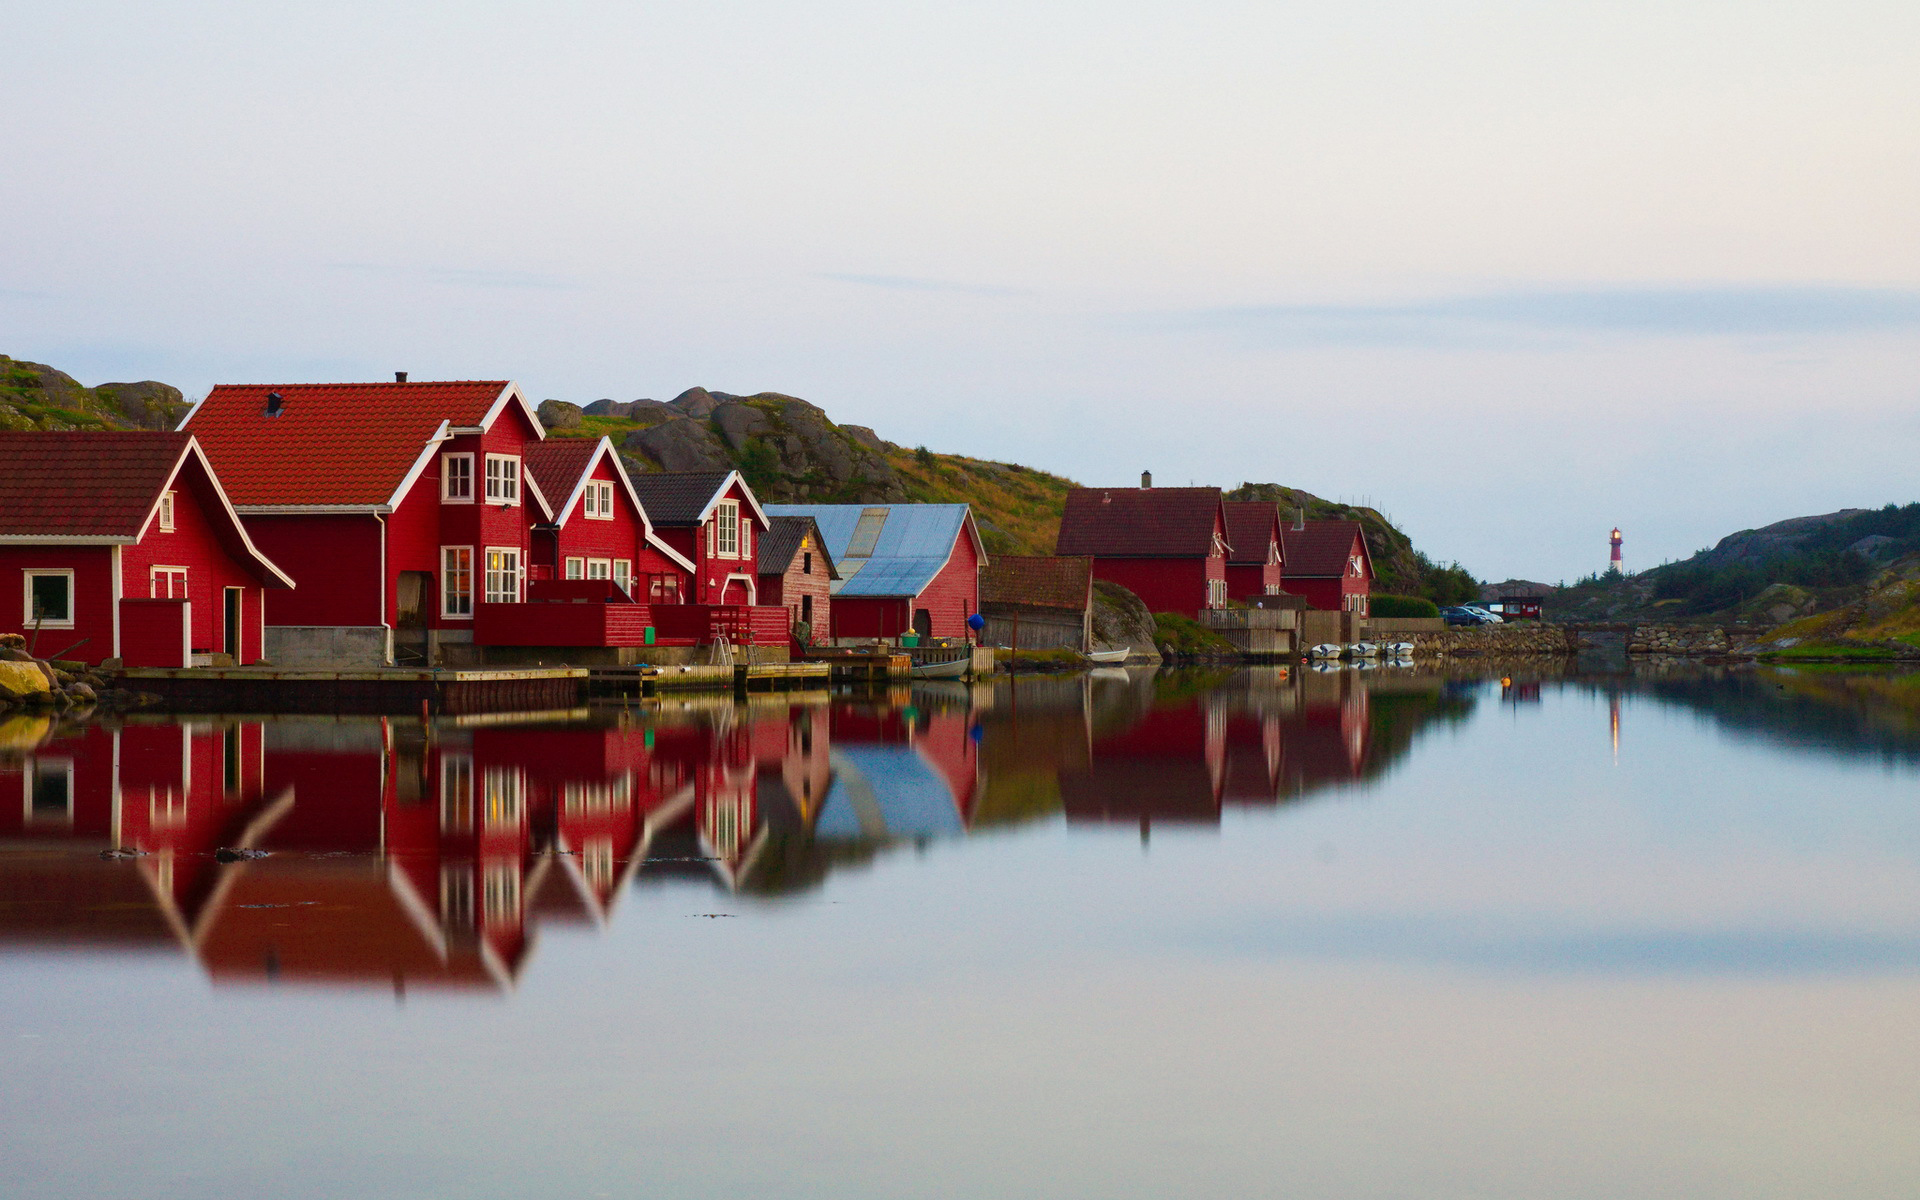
(226, 505)
(726, 485)
(509, 393)
(646, 522)
(427, 453)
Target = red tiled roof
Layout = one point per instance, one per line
(99, 485)
(333, 443)
(1139, 522)
(557, 465)
(1320, 549)
(1251, 529)
(1034, 579)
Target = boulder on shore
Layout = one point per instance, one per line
(1121, 618)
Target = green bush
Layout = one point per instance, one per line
(1402, 606)
(1184, 635)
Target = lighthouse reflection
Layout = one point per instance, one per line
(401, 854)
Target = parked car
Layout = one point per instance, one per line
(1461, 614)
(1487, 615)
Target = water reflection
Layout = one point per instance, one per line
(403, 854)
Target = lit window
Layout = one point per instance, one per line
(503, 576)
(49, 599)
(167, 583)
(456, 581)
(576, 568)
(503, 479)
(456, 478)
(166, 511)
(504, 800)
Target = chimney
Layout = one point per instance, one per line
(274, 402)
(1300, 518)
(399, 376)
(1146, 479)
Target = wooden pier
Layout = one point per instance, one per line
(745, 677)
(867, 665)
(371, 690)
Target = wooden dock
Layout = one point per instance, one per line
(746, 677)
(386, 690)
(879, 665)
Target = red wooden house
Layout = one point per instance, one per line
(904, 568)
(1168, 546)
(599, 528)
(713, 521)
(797, 573)
(123, 545)
(1327, 563)
(1254, 560)
(400, 507)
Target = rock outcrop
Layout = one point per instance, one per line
(1121, 618)
(558, 414)
(36, 396)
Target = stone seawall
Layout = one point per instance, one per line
(1692, 641)
(1519, 640)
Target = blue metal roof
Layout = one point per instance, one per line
(915, 541)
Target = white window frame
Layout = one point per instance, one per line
(456, 793)
(37, 769)
(447, 478)
(576, 567)
(26, 598)
(449, 593)
(503, 486)
(746, 537)
(726, 529)
(598, 500)
(516, 573)
(166, 511)
(602, 565)
(623, 574)
(154, 576)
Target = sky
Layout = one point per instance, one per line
(1514, 273)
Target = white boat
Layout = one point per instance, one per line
(1110, 656)
(956, 669)
(1326, 650)
(1399, 649)
(1363, 650)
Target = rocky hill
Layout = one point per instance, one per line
(1399, 569)
(36, 396)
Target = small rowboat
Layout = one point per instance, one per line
(1363, 650)
(1325, 650)
(1110, 656)
(956, 669)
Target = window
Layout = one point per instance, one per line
(456, 581)
(500, 893)
(456, 793)
(456, 478)
(599, 568)
(503, 479)
(167, 583)
(504, 791)
(623, 574)
(663, 589)
(599, 500)
(1216, 593)
(806, 563)
(726, 529)
(746, 539)
(166, 511)
(49, 599)
(503, 576)
(49, 784)
(576, 568)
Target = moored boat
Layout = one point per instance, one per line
(954, 669)
(1110, 656)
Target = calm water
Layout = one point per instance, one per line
(1343, 934)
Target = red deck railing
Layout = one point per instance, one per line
(591, 623)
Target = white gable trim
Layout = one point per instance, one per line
(648, 537)
(226, 506)
(508, 395)
(533, 486)
(440, 434)
(726, 484)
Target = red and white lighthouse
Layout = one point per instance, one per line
(1613, 560)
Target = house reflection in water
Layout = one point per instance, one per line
(406, 855)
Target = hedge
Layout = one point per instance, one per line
(1402, 606)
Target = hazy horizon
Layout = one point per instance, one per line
(1515, 275)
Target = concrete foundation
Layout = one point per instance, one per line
(343, 646)
(604, 656)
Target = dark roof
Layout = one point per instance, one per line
(676, 499)
(1250, 528)
(1320, 548)
(84, 484)
(1034, 579)
(1139, 522)
(333, 443)
(779, 544)
(558, 463)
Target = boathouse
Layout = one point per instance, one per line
(797, 573)
(1168, 546)
(904, 568)
(1037, 602)
(123, 545)
(401, 508)
(1328, 564)
(599, 531)
(1254, 560)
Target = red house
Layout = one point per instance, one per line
(400, 508)
(797, 573)
(1327, 563)
(1254, 562)
(904, 568)
(712, 520)
(599, 529)
(1168, 546)
(123, 545)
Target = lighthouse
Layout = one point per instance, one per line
(1613, 559)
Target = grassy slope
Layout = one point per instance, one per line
(1018, 508)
